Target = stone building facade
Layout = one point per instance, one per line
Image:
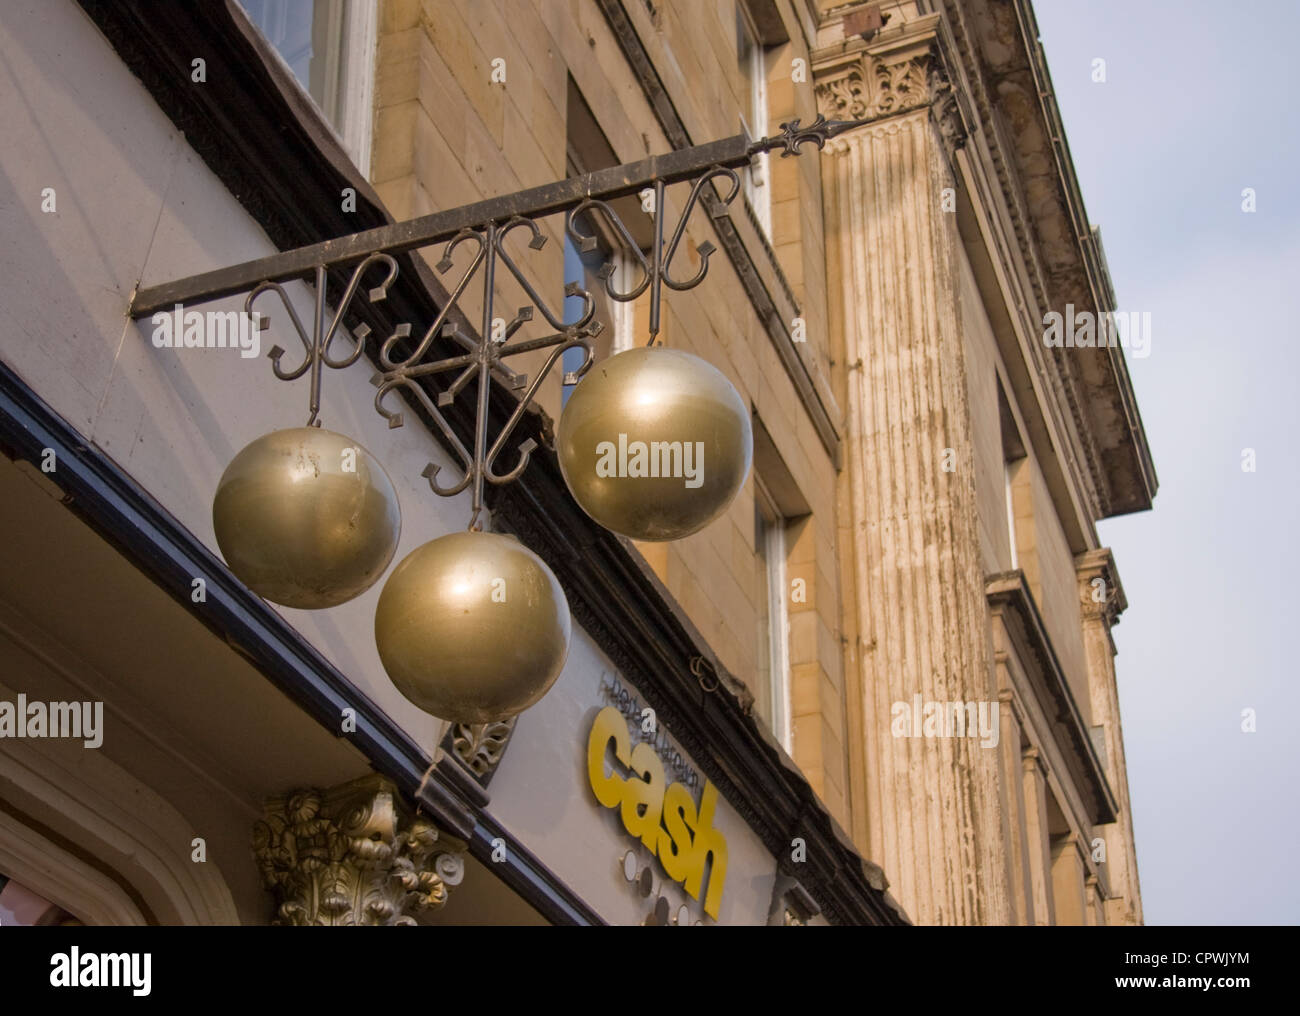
(920, 256)
(917, 537)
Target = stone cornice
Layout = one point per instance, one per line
(942, 45)
(1078, 454)
(1002, 61)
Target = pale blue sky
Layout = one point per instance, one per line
(1200, 101)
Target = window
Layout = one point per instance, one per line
(329, 45)
(585, 269)
(20, 907)
(784, 542)
(772, 694)
(751, 56)
(588, 151)
(1009, 479)
(1014, 475)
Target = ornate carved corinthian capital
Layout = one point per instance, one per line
(353, 854)
(898, 71)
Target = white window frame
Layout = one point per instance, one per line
(1008, 468)
(353, 45)
(624, 312)
(758, 190)
(778, 616)
(356, 92)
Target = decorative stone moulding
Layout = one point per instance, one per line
(353, 854)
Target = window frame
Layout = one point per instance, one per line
(588, 150)
(1009, 479)
(349, 72)
(776, 707)
(756, 179)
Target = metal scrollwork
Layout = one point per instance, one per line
(484, 358)
(410, 366)
(705, 249)
(655, 269)
(587, 244)
(317, 345)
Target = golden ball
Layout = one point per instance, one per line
(654, 443)
(472, 627)
(306, 518)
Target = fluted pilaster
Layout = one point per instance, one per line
(1038, 836)
(933, 816)
(1101, 599)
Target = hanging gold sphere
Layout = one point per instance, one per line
(655, 443)
(472, 627)
(306, 518)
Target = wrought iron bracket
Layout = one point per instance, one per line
(483, 227)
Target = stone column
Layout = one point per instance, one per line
(932, 815)
(353, 854)
(1101, 599)
(1069, 874)
(1096, 907)
(1013, 798)
(1039, 837)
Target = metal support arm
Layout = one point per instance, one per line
(485, 225)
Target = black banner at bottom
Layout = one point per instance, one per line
(143, 966)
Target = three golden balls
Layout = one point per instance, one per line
(473, 627)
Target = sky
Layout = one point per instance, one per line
(1199, 102)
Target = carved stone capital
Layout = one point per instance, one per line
(1033, 762)
(1101, 596)
(871, 87)
(898, 71)
(353, 854)
(944, 106)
